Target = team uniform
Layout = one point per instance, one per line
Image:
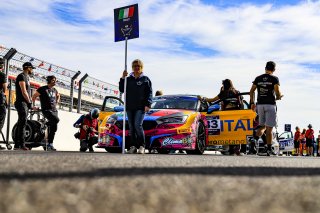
(22, 105)
(266, 102)
(48, 100)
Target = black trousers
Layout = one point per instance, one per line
(22, 110)
(53, 120)
(3, 112)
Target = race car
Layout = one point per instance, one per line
(177, 122)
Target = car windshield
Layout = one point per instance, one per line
(174, 102)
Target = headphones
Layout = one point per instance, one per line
(49, 78)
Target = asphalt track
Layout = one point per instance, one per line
(38, 181)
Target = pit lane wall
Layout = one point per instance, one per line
(64, 139)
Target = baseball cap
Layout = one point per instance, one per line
(27, 64)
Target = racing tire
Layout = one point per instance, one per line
(33, 132)
(200, 142)
(113, 149)
(163, 151)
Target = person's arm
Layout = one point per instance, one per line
(277, 91)
(252, 90)
(35, 96)
(3, 81)
(149, 96)
(4, 87)
(58, 97)
(212, 99)
(24, 91)
(121, 82)
(78, 123)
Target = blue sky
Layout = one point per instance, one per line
(188, 46)
(233, 3)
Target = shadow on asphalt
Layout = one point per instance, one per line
(205, 171)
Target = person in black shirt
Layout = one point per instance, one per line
(138, 102)
(3, 87)
(23, 103)
(230, 101)
(49, 97)
(268, 92)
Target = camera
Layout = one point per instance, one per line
(77, 135)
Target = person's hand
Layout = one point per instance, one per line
(279, 97)
(124, 74)
(29, 105)
(85, 127)
(146, 109)
(253, 107)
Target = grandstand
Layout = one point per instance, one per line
(93, 90)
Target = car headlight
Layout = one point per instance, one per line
(173, 120)
(112, 120)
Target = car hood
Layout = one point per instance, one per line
(154, 114)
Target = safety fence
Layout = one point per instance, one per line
(92, 91)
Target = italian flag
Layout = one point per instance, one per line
(126, 13)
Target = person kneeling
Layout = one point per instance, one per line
(88, 125)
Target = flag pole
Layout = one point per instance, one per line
(124, 96)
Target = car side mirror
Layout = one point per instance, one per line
(118, 108)
(212, 108)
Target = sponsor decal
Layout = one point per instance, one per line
(226, 142)
(172, 141)
(214, 127)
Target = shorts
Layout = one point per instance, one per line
(296, 144)
(267, 115)
(309, 142)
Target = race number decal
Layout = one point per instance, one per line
(214, 127)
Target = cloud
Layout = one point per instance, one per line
(187, 46)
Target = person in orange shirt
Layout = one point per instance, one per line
(309, 140)
(297, 135)
(302, 141)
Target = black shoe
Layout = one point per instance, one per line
(91, 149)
(24, 148)
(50, 147)
(265, 152)
(83, 146)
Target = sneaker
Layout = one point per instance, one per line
(152, 151)
(141, 150)
(132, 150)
(50, 147)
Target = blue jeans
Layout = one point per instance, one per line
(135, 121)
